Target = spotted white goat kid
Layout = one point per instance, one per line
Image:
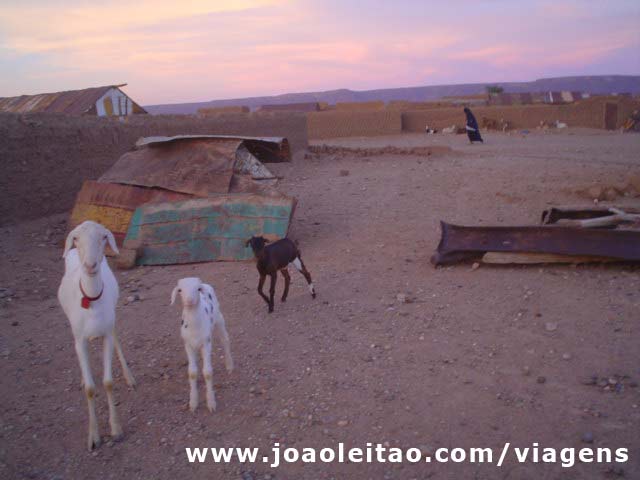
(88, 295)
(201, 317)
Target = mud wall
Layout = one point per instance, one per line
(45, 158)
(333, 124)
(625, 108)
(360, 106)
(583, 114)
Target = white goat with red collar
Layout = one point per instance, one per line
(88, 295)
(201, 317)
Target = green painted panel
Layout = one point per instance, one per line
(206, 229)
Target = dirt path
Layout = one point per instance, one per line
(476, 359)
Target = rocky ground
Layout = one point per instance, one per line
(393, 350)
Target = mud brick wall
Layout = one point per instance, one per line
(360, 106)
(626, 108)
(333, 124)
(583, 114)
(45, 158)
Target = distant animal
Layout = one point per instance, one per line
(489, 123)
(88, 295)
(201, 317)
(274, 257)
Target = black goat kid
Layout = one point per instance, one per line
(273, 257)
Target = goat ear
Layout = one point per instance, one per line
(68, 244)
(173, 295)
(112, 241)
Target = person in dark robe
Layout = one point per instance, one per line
(472, 127)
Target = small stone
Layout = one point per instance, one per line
(401, 297)
(6, 292)
(344, 173)
(587, 437)
(566, 356)
(526, 371)
(475, 266)
(133, 298)
(343, 423)
(551, 326)
(541, 379)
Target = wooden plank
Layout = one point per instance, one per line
(208, 229)
(536, 258)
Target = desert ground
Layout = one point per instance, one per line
(471, 358)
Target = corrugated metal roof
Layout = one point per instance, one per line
(71, 102)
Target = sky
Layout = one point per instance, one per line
(183, 51)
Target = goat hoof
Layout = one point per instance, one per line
(118, 437)
(313, 295)
(93, 443)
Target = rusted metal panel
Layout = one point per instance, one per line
(72, 102)
(203, 230)
(265, 149)
(460, 243)
(198, 167)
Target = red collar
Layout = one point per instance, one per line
(86, 300)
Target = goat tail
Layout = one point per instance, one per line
(128, 376)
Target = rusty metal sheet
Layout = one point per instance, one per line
(198, 167)
(203, 230)
(113, 205)
(460, 243)
(265, 149)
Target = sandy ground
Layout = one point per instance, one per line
(478, 358)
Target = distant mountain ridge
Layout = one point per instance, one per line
(597, 84)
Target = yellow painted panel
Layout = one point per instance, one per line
(108, 106)
(115, 219)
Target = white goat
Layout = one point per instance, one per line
(200, 316)
(88, 295)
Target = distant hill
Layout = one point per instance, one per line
(599, 84)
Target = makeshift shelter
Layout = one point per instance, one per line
(236, 196)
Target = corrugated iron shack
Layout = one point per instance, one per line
(104, 101)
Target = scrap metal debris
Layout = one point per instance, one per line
(460, 243)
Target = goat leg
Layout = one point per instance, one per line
(107, 381)
(260, 285)
(93, 440)
(297, 262)
(128, 376)
(272, 290)
(287, 281)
